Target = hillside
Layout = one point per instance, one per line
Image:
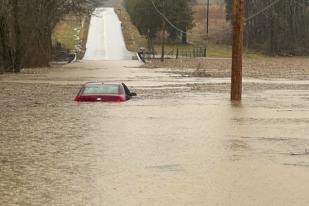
(219, 28)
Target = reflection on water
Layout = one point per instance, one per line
(166, 147)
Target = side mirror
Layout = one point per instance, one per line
(133, 94)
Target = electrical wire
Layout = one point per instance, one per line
(263, 10)
(166, 19)
(246, 20)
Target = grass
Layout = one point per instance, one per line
(213, 50)
(72, 26)
(134, 40)
(72, 32)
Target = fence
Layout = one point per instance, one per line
(178, 53)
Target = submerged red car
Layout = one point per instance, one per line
(104, 92)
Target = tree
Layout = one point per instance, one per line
(145, 18)
(181, 15)
(26, 29)
(281, 29)
(149, 22)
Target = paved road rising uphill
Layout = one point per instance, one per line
(105, 38)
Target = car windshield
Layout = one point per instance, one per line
(107, 89)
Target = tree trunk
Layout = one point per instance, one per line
(163, 40)
(184, 38)
(16, 51)
(3, 44)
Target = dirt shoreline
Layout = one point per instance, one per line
(294, 68)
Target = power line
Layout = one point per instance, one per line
(246, 20)
(263, 10)
(301, 4)
(166, 19)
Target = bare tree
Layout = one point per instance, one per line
(277, 27)
(26, 27)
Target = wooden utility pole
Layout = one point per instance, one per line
(163, 33)
(238, 38)
(163, 40)
(207, 17)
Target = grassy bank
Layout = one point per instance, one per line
(72, 32)
(213, 50)
(133, 39)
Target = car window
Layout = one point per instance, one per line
(126, 89)
(101, 89)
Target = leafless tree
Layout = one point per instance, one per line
(277, 27)
(26, 27)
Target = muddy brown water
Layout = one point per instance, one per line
(180, 142)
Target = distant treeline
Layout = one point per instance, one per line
(26, 28)
(148, 16)
(276, 27)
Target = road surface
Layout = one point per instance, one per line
(105, 38)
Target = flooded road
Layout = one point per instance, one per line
(180, 142)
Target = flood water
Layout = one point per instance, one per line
(178, 143)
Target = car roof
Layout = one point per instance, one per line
(100, 83)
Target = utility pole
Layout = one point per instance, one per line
(207, 28)
(163, 40)
(238, 38)
(163, 33)
(207, 17)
